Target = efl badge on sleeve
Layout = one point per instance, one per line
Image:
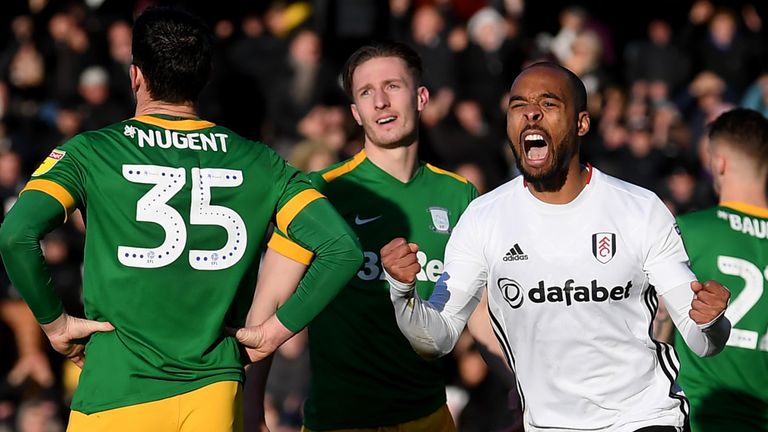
(604, 246)
(49, 162)
(440, 222)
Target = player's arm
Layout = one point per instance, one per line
(32, 216)
(697, 310)
(433, 327)
(32, 361)
(322, 240)
(278, 278)
(479, 326)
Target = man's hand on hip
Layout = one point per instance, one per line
(68, 335)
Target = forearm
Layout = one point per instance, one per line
(479, 326)
(431, 328)
(26, 331)
(705, 340)
(278, 278)
(33, 215)
(337, 256)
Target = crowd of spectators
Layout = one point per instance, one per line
(64, 69)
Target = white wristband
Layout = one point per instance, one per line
(402, 289)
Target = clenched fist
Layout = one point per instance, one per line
(709, 301)
(399, 260)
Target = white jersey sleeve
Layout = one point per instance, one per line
(432, 327)
(666, 264)
(705, 340)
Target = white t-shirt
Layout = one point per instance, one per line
(572, 298)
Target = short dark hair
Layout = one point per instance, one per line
(576, 84)
(381, 49)
(745, 130)
(173, 49)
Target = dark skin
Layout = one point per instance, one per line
(542, 106)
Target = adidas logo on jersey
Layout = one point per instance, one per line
(515, 254)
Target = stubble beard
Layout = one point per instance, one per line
(552, 178)
(403, 139)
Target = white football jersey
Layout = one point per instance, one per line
(572, 295)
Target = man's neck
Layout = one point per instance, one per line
(577, 180)
(751, 193)
(399, 162)
(184, 110)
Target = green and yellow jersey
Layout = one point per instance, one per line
(176, 212)
(729, 392)
(364, 372)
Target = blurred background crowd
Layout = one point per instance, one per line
(656, 71)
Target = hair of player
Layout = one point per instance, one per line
(577, 86)
(174, 51)
(381, 49)
(744, 130)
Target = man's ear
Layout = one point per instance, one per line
(355, 114)
(137, 77)
(422, 98)
(582, 123)
(719, 164)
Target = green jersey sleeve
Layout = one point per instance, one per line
(62, 174)
(33, 215)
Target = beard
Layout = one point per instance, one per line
(402, 138)
(553, 177)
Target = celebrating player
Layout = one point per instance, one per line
(365, 376)
(730, 392)
(573, 260)
(177, 210)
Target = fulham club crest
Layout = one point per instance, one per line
(604, 246)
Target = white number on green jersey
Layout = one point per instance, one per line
(747, 298)
(430, 269)
(153, 207)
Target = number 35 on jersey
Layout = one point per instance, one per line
(153, 207)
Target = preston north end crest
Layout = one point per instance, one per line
(440, 221)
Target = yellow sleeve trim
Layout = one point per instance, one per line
(53, 189)
(289, 249)
(294, 206)
(345, 168)
(749, 209)
(180, 125)
(445, 172)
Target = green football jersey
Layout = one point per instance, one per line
(176, 212)
(364, 372)
(729, 392)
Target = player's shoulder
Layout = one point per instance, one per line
(338, 170)
(623, 188)
(449, 180)
(490, 199)
(445, 175)
(706, 220)
(700, 215)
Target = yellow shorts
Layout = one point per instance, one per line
(216, 407)
(438, 421)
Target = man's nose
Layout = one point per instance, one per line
(381, 100)
(532, 113)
